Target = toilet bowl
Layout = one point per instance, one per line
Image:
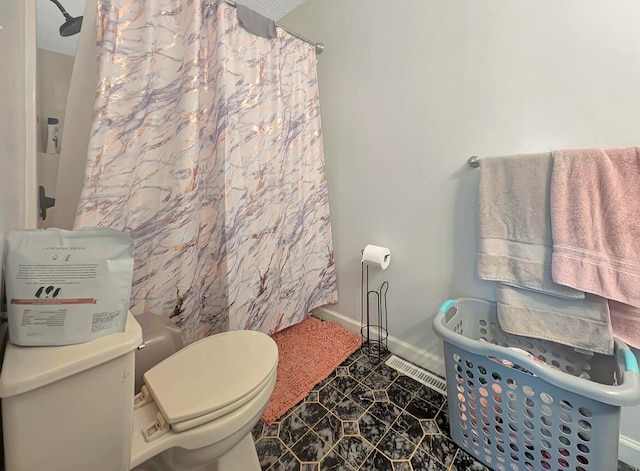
(200, 402)
(209, 443)
(66, 408)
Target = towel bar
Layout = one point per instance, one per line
(474, 161)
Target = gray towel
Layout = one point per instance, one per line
(580, 323)
(255, 23)
(515, 243)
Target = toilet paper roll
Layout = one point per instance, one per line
(376, 256)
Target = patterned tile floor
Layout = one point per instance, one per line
(365, 416)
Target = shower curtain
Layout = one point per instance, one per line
(206, 147)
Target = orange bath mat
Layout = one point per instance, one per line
(309, 351)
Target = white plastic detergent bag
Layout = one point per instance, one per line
(66, 287)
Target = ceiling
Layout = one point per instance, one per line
(49, 20)
(274, 9)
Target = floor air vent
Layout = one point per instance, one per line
(428, 379)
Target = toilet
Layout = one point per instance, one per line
(73, 407)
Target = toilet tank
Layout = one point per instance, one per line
(70, 407)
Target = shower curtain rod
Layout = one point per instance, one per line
(318, 46)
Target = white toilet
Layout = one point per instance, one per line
(72, 408)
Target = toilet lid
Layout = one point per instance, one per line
(211, 374)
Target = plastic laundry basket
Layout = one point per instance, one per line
(512, 412)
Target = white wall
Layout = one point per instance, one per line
(17, 117)
(409, 93)
(410, 90)
(54, 79)
(17, 129)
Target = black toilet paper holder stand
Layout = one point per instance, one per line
(373, 317)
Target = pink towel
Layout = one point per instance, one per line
(625, 322)
(595, 222)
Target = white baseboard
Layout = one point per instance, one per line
(409, 352)
(629, 450)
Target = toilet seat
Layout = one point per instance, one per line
(208, 379)
(216, 432)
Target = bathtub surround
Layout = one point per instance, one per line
(206, 147)
(80, 106)
(53, 75)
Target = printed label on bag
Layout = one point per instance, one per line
(66, 287)
(48, 323)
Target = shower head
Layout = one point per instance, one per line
(72, 25)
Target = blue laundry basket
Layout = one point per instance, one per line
(559, 411)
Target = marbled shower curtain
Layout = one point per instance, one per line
(206, 147)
